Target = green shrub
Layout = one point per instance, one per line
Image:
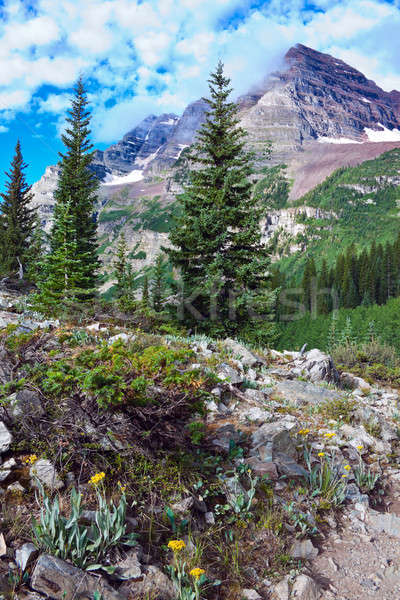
(340, 409)
(120, 374)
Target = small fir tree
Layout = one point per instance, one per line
(77, 186)
(158, 283)
(217, 239)
(63, 270)
(145, 291)
(36, 253)
(123, 272)
(17, 219)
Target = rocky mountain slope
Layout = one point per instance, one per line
(137, 149)
(239, 454)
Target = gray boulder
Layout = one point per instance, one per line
(276, 436)
(288, 466)
(129, 567)
(46, 473)
(5, 366)
(300, 393)
(304, 550)
(250, 595)
(305, 588)
(6, 468)
(316, 366)
(25, 555)
(239, 351)
(5, 438)
(355, 383)
(153, 584)
(281, 590)
(25, 403)
(60, 580)
(227, 373)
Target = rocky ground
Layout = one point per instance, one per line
(265, 413)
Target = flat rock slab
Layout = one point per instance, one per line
(301, 393)
(62, 581)
(153, 584)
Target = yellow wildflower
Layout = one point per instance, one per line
(121, 487)
(347, 467)
(304, 431)
(176, 545)
(321, 454)
(197, 573)
(97, 478)
(345, 475)
(360, 448)
(31, 459)
(330, 435)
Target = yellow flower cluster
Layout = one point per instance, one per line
(329, 435)
(304, 431)
(176, 545)
(347, 467)
(97, 478)
(197, 573)
(359, 448)
(121, 487)
(321, 454)
(31, 459)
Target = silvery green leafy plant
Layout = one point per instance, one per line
(68, 538)
(365, 478)
(324, 480)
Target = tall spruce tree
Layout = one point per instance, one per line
(17, 219)
(77, 186)
(217, 240)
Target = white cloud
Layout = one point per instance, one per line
(55, 103)
(3, 129)
(14, 99)
(143, 56)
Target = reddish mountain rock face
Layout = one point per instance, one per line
(328, 87)
(319, 113)
(317, 96)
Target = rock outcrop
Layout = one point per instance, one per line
(317, 96)
(137, 148)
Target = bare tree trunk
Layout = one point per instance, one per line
(20, 270)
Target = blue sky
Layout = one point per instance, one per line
(151, 56)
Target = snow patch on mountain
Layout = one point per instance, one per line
(131, 177)
(143, 162)
(169, 122)
(330, 140)
(387, 135)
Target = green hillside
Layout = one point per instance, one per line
(358, 205)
